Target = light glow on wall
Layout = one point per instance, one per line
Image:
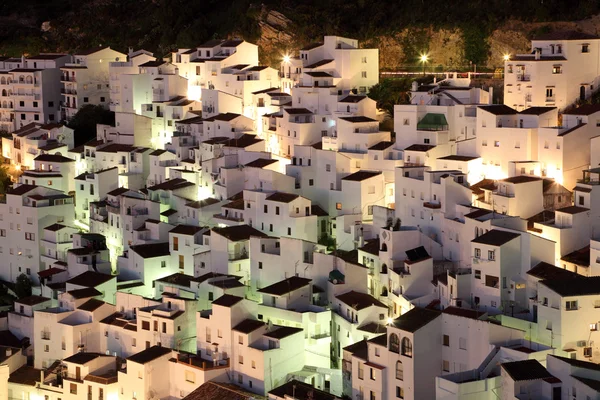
(194, 93)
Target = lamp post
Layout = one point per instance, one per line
(423, 61)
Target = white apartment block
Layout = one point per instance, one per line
(560, 69)
(86, 79)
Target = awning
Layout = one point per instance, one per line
(433, 122)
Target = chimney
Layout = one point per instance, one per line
(491, 92)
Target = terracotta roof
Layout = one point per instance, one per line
(32, 300)
(572, 210)
(53, 158)
(295, 389)
(358, 300)
(318, 211)
(90, 279)
(573, 129)
(25, 375)
(50, 271)
(526, 370)
(186, 229)
(415, 319)
(281, 197)
(495, 237)
(536, 110)
(285, 286)
(358, 119)
(151, 250)
(580, 257)
(83, 358)
(361, 175)
(499, 109)
(419, 147)
(221, 391)
(84, 293)
(227, 300)
(577, 286)
(584, 109)
(319, 74)
(149, 354)
(578, 363)
(458, 158)
(91, 305)
(281, 332)
(522, 179)
(238, 233)
(172, 184)
(261, 162)
(248, 326)
(21, 190)
(297, 111)
(381, 145)
(318, 64)
(544, 270)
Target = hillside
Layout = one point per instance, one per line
(453, 33)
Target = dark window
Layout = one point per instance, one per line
(50, 104)
(394, 343)
(260, 265)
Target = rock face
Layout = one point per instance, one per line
(400, 50)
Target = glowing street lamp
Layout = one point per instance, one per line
(506, 57)
(286, 59)
(424, 59)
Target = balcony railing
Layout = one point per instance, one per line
(242, 255)
(523, 78)
(45, 335)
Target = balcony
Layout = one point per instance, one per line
(504, 194)
(432, 205)
(45, 335)
(523, 78)
(197, 362)
(176, 116)
(235, 256)
(66, 78)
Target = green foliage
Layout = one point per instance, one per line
(23, 286)
(390, 91)
(476, 47)
(4, 179)
(84, 122)
(328, 241)
(414, 44)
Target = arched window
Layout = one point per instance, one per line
(384, 247)
(29, 79)
(476, 232)
(3, 81)
(4, 104)
(394, 343)
(21, 78)
(4, 92)
(399, 370)
(383, 268)
(406, 347)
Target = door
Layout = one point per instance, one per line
(582, 93)
(78, 373)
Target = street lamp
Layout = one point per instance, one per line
(424, 59)
(506, 57)
(286, 59)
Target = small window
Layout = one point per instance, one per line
(338, 206)
(446, 340)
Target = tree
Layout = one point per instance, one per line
(85, 121)
(23, 286)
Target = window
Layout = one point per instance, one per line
(338, 206)
(406, 347)
(557, 69)
(399, 392)
(276, 210)
(372, 396)
(50, 104)
(581, 202)
(585, 48)
(477, 253)
(484, 143)
(265, 209)
(146, 325)
(240, 359)
(491, 255)
(328, 167)
(240, 379)
(361, 371)
(587, 352)
(394, 343)
(363, 74)
(29, 236)
(372, 374)
(399, 370)
(446, 340)
(496, 143)
(571, 305)
(311, 182)
(593, 327)
(163, 264)
(549, 93)
(253, 364)
(260, 265)
(445, 365)
(73, 388)
(406, 121)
